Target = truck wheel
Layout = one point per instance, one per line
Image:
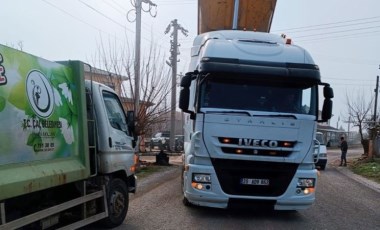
(117, 201)
(186, 202)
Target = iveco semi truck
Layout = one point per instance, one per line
(252, 102)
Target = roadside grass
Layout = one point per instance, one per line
(149, 169)
(368, 168)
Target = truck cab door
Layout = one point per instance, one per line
(115, 143)
(119, 138)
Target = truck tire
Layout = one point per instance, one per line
(117, 201)
(186, 202)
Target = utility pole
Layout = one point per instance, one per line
(376, 93)
(173, 63)
(138, 7)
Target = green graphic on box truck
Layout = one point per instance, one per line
(38, 107)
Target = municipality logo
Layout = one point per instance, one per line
(40, 93)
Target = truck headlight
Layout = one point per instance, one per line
(305, 186)
(201, 178)
(201, 181)
(306, 183)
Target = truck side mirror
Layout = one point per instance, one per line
(132, 126)
(328, 92)
(186, 80)
(184, 97)
(327, 109)
(131, 120)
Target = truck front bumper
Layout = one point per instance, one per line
(292, 199)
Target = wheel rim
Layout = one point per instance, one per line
(117, 203)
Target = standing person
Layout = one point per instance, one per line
(343, 148)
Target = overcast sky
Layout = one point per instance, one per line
(342, 36)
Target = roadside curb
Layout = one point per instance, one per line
(364, 181)
(156, 179)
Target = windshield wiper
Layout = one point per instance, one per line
(231, 112)
(254, 115)
(257, 41)
(276, 115)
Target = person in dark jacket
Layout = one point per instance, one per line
(343, 148)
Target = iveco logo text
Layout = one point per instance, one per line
(253, 142)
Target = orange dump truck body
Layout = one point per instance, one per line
(252, 15)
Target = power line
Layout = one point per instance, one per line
(112, 6)
(333, 27)
(353, 35)
(341, 31)
(175, 2)
(346, 79)
(327, 24)
(97, 11)
(73, 16)
(122, 7)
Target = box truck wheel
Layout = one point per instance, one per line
(118, 201)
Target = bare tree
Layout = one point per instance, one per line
(358, 110)
(155, 78)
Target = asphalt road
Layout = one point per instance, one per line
(343, 202)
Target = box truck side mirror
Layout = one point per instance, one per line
(132, 126)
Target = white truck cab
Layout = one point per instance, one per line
(245, 143)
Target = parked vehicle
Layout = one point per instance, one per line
(66, 147)
(179, 141)
(161, 140)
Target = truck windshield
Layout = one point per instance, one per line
(115, 112)
(256, 94)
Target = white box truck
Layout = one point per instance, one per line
(67, 156)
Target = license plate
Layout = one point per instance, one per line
(252, 181)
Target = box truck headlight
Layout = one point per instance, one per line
(201, 181)
(306, 185)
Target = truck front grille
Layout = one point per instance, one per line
(256, 152)
(243, 146)
(231, 172)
